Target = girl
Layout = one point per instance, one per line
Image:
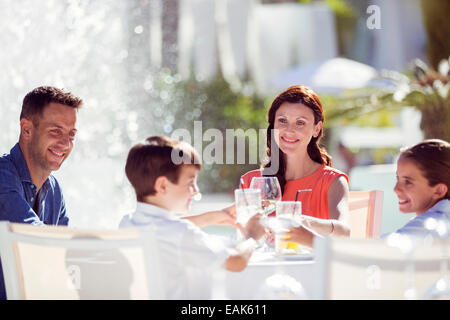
(423, 183)
(296, 127)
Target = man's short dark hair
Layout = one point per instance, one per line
(158, 156)
(36, 100)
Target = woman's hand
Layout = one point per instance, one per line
(301, 235)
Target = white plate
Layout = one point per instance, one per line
(298, 256)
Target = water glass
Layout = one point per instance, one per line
(288, 214)
(248, 203)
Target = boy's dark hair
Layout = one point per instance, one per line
(433, 159)
(36, 100)
(158, 156)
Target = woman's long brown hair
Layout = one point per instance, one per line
(308, 98)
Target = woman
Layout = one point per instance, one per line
(296, 126)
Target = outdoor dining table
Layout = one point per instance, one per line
(254, 282)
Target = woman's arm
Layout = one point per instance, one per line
(338, 206)
(338, 211)
(336, 225)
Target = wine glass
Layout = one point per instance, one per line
(270, 192)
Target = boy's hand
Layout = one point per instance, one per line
(224, 217)
(231, 210)
(254, 229)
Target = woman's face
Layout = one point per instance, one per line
(294, 127)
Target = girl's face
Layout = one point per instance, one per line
(294, 127)
(412, 188)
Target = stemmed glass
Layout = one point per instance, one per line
(279, 285)
(270, 192)
(270, 195)
(441, 288)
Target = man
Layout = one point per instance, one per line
(28, 191)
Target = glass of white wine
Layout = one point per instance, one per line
(270, 192)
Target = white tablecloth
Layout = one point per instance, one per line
(252, 282)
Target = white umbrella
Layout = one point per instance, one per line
(329, 76)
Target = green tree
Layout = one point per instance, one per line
(218, 107)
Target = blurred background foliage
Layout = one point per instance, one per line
(217, 106)
(424, 87)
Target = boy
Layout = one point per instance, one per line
(163, 173)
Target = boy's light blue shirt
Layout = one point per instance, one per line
(188, 255)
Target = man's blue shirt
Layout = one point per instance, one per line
(18, 196)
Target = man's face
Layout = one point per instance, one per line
(52, 136)
(180, 194)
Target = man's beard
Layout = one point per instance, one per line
(39, 159)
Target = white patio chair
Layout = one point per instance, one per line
(370, 269)
(64, 263)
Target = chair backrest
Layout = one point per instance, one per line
(365, 208)
(65, 263)
(372, 269)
